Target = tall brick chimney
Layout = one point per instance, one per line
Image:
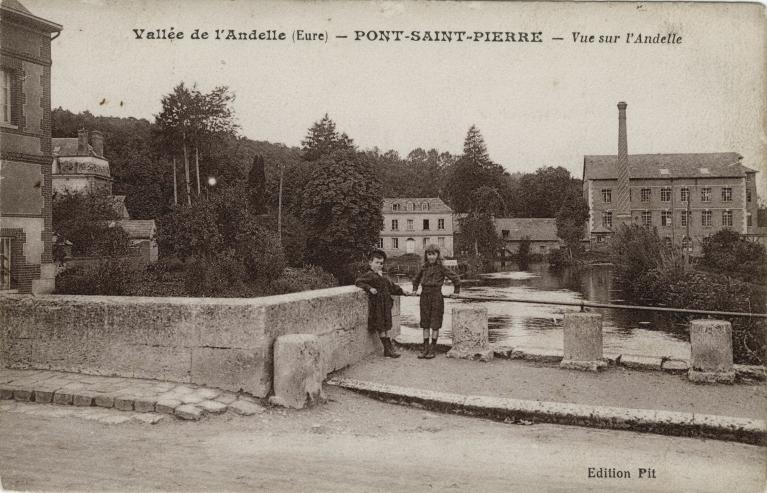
(623, 212)
(82, 142)
(97, 141)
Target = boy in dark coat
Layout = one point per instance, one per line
(380, 289)
(431, 276)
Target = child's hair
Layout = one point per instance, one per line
(377, 254)
(432, 248)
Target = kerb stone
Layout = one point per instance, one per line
(582, 342)
(297, 371)
(711, 352)
(470, 334)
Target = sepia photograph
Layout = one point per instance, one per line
(383, 246)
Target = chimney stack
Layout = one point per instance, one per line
(623, 213)
(97, 141)
(82, 142)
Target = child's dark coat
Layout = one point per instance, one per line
(379, 304)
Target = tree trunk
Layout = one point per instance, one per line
(186, 171)
(197, 166)
(175, 186)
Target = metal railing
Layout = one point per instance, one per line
(588, 304)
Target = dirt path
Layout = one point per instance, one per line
(356, 444)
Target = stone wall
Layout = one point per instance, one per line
(220, 342)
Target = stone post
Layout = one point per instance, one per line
(711, 352)
(582, 342)
(470, 333)
(395, 317)
(297, 372)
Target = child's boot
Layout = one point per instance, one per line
(389, 350)
(424, 349)
(430, 354)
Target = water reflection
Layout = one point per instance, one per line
(537, 325)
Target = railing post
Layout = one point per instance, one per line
(582, 341)
(470, 333)
(711, 352)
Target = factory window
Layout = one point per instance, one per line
(726, 194)
(607, 219)
(665, 218)
(684, 194)
(5, 263)
(665, 194)
(705, 194)
(706, 219)
(686, 218)
(726, 218)
(6, 96)
(644, 194)
(646, 218)
(748, 195)
(607, 195)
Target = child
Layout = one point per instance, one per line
(380, 302)
(431, 276)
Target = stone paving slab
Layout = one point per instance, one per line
(745, 430)
(135, 397)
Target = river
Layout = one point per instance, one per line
(540, 326)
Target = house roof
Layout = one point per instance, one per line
(710, 165)
(67, 147)
(435, 204)
(16, 9)
(535, 228)
(137, 228)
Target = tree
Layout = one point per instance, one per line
(86, 220)
(727, 252)
(322, 139)
(257, 185)
(342, 211)
(571, 220)
(523, 254)
(541, 194)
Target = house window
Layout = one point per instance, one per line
(684, 194)
(379, 243)
(440, 224)
(424, 206)
(395, 243)
(426, 225)
(425, 242)
(705, 194)
(646, 218)
(441, 242)
(395, 225)
(686, 218)
(410, 225)
(748, 195)
(705, 218)
(644, 194)
(607, 195)
(665, 218)
(726, 194)
(748, 219)
(395, 207)
(505, 234)
(607, 219)
(411, 206)
(726, 218)
(5, 263)
(6, 96)
(665, 194)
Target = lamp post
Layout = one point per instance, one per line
(211, 183)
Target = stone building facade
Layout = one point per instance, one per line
(80, 165)
(686, 197)
(26, 154)
(410, 224)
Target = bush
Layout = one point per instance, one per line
(221, 276)
(305, 279)
(111, 277)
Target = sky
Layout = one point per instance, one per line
(536, 104)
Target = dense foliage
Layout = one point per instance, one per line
(649, 272)
(86, 220)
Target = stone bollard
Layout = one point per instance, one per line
(582, 342)
(297, 371)
(711, 352)
(395, 317)
(470, 334)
